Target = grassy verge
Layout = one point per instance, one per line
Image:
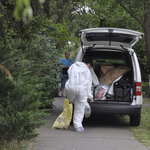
(23, 145)
(142, 132)
(146, 100)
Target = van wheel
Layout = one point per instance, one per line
(135, 120)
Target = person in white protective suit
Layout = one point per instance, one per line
(78, 91)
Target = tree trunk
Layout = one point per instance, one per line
(147, 41)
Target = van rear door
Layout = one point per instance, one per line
(110, 37)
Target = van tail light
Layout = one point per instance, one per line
(138, 90)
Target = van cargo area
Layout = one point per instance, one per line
(109, 65)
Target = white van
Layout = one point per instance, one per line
(110, 48)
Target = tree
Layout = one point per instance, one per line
(143, 19)
(106, 13)
(32, 59)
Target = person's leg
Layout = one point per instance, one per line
(79, 112)
(63, 85)
(64, 92)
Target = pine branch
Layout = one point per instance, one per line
(4, 70)
(131, 13)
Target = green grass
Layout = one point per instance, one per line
(142, 132)
(23, 145)
(146, 100)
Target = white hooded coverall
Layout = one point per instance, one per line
(78, 90)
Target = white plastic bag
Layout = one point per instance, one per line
(94, 77)
(101, 91)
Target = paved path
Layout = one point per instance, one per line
(101, 133)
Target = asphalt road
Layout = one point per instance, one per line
(101, 133)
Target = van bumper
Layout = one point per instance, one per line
(115, 109)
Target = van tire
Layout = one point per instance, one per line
(135, 120)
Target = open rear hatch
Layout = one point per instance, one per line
(109, 37)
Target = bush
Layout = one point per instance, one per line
(19, 111)
(34, 68)
(43, 61)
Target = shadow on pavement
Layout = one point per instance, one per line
(106, 120)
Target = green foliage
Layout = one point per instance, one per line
(44, 57)
(34, 86)
(106, 13)
(19, 110)
(140, 50)
(19, 115)
(25, 8)
(33, 61)
(62, 16)
(61, 34)
(144, 87)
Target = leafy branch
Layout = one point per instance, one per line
(130, 12)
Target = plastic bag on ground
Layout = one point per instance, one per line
(64, 119)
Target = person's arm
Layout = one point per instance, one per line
(62, 66)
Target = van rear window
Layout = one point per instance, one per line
(116, 37)
(108, 61)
